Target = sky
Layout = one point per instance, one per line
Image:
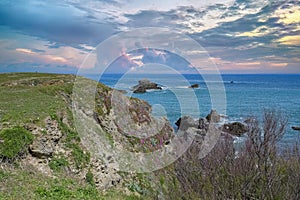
(239, 36)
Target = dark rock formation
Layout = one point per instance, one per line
(213, 117)
(235, 128)
(203, 123)
(194, 85)
(145, 85)
(296, 128)
(177, 123)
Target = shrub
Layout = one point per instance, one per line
(89, 178)
(258, 171)
(81, 158)
(14, 142)
(57, 164)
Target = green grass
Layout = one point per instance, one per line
(57, 164)
(81, 158)
(72, 141)
(14, 141)
(30, 101)
(24, 103)
(32, 185)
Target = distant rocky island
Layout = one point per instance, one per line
(145, 85)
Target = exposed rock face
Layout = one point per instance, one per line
(186, 122)
(213, 117)
(196, 85)
(204, 135)
(235, 128)
(145, 85)
(46, 142)
(203, 123)
(105, 175)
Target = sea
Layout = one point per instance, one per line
(235, 96)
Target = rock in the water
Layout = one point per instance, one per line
(139, 89)
(296, 128)
(235, 128)
(213, 117)
(145, 85)
(196, 85)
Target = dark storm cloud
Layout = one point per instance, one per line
(58, 23)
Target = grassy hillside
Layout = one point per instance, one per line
(31, 97)
(26, 100)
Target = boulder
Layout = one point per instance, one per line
(235, 128)
(186, 122)
(194, 85)
(41, 148)
(145, 85)
(213, 117)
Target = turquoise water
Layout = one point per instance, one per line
(246, 95)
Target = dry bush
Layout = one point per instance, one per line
(258, 171)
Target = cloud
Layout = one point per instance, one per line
(259, 32)
(250, 66)
(288, 14)
(56, 21)
(245, 35)
(293, 40)
(28, 51)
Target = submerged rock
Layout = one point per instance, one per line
(145, 85)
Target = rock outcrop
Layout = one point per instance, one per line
(186, 122)
(145, 85)
(296, 128)
(46, 140)
(213, 117)
(196, 85)
(235, 128)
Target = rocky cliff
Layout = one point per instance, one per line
(39, 107)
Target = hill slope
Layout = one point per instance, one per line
(42, 156)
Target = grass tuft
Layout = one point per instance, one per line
(14, 141)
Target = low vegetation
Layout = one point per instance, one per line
(14, 142)
(258, 170)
